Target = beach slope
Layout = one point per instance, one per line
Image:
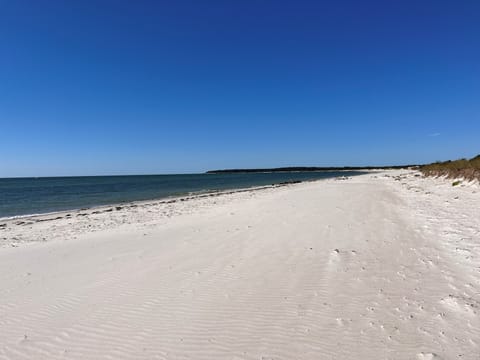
(379, 266)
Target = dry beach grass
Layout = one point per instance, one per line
(458, 169)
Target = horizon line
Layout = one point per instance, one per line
(285, 168)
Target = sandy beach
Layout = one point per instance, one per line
(378, 266)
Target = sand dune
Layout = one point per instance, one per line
(380, 266)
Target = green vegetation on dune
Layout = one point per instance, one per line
(463, 168)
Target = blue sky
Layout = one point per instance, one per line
(134, 87)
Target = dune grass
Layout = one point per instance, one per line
(457, 169)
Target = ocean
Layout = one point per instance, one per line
(28, 196)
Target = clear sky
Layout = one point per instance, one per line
(135, 87)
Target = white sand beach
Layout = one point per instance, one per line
(380, 266)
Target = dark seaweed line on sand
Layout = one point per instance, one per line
(29, 220)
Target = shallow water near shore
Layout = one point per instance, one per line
(26, 196)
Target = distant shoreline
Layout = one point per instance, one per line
(310, 168)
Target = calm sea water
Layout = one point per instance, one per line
(24, 196)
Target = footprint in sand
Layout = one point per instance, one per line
(460, 304)
(428, 356)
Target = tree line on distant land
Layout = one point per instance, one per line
(468, 169)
